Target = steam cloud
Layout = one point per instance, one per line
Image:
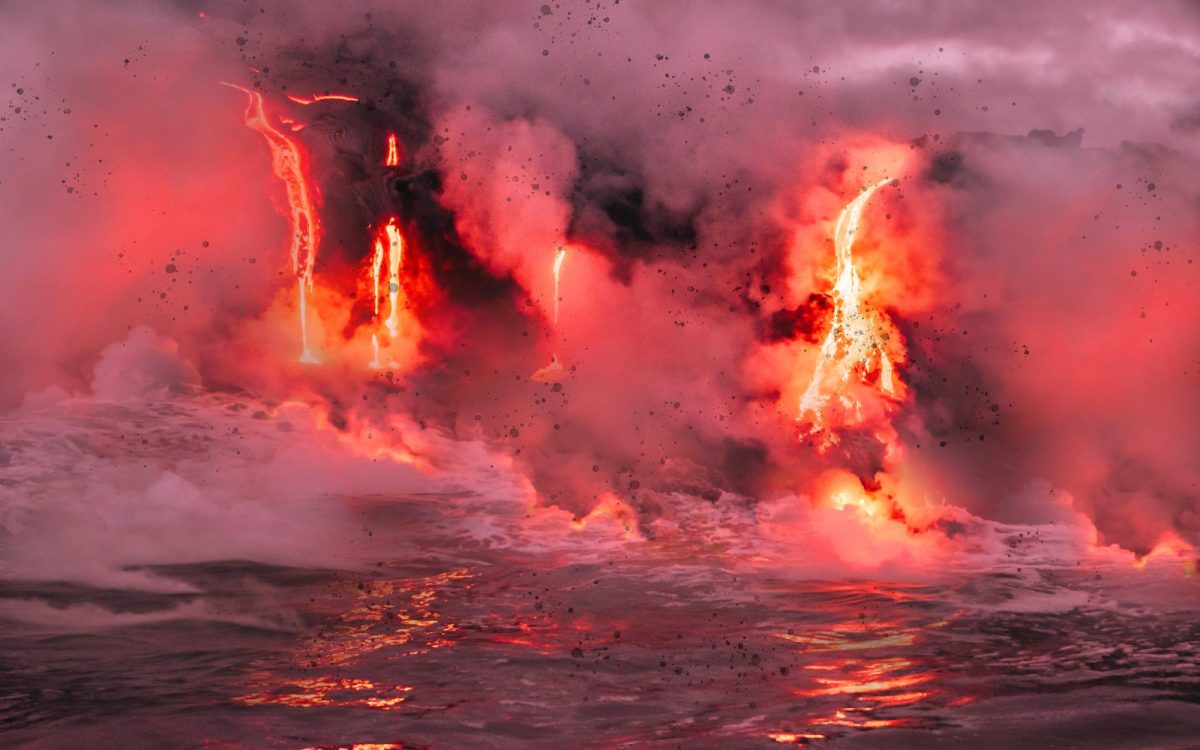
(1037, 252)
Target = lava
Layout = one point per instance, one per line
(1171, 547)
(322, 98)
(613, 509)
(376, 268)
(395, 257)
(553, 372)
(559, 257)
(855, 346)
(393, 151)
(288, 164)
(375, 364)
(387, 247)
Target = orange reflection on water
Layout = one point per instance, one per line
(835, 641)
(396, 614)
(868, 666)
(789, 738)
(360, 746)
(855, 717)
(543, 639)
(902, 699)
(389, 614)
(544, 633)
(865, 678)
(327, 691)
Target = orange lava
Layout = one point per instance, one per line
(322, 98)
(610, 508)
(287, 162)
(859, 347)
(393, 151)
(1170, 547)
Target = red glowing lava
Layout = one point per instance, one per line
(306, 100)
(860, 347)
(392, 158)
(287, 162)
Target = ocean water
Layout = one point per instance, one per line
(454, 618)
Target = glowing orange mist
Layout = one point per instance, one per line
(613, 509)
(288, 165)
(854, 346)
(1171, 547)
(393, 151)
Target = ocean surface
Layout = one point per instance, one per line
(452, 630)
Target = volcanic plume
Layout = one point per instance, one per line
(645, 265)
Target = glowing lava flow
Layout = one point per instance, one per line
(374, 364)
(287, 164)
(393, 151)
(389, 243)
(376, 268)
(553, 372)
(395, 256)
(853, 344)
(558, 261)
(322, 98)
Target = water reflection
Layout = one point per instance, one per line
(640, 651)
(865, 672)
(399, 616)
(361, 746)
(552, 651)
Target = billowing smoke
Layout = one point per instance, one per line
(1034, 249)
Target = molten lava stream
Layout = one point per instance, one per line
(553, 372)
(395, 258)
(854, 386)
(288, 165)
(322, 98)
(559, 256)
(853, 349)
(389, 245)
(392, 158)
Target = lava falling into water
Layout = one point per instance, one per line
(375, 364)
(376, 269)
(287, 163)
(389, 245)
(553, 372)
(558, 261)
(395, 256)
(393, 151)
(855, 344)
